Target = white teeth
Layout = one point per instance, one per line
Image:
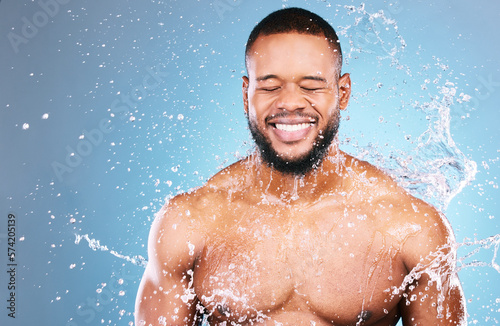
(286, 127)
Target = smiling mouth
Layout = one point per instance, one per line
(291, 131)
(292, 127)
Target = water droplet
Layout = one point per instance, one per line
(191, 249)
(362, 217)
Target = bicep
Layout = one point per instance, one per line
(166, 295)
(165, 299)
(433, 295)
(425, 302)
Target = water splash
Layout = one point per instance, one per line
(436, 169)
(443, 262)
(96, 245)
(493, 241)
(373, 33)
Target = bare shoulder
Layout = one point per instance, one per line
(370, 177)
(417, 227)
(196, 204)
(233, 178)
(174, 240)
(181, 226)
(424, 241)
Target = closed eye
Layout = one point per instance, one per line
(269, 89)
(312, 89)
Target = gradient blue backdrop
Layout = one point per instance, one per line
(64, 85)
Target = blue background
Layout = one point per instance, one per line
(64, 80)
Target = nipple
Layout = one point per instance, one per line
(223, 309)
(364, 316)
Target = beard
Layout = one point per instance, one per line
(303, 164)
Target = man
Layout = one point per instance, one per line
(299, 232)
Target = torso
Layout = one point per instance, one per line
(334, 261)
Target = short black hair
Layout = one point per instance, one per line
(295, 20)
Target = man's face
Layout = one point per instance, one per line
(292, 97)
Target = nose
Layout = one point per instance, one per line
(290, 99)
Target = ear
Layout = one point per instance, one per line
(244, 89)
(344, 90)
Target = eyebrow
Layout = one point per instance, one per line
(266, 77)
(318, 78)
(271, 76)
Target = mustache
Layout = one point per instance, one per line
(292, 115)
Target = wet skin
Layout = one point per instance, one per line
(292, 90)
(256, 246)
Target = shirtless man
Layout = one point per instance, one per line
(299, 232)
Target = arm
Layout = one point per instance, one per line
(433, 295)
(166, 295)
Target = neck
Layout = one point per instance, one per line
(289, 189)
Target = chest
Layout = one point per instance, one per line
(326, 261)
